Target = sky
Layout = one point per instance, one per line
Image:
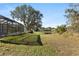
(53, 13)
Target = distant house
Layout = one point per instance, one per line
(47, 30)
(10, 27)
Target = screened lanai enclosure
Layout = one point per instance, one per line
(10, 27)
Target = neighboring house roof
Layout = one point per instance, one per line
(47, 29)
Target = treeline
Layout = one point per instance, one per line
(72, 14)
(31, 18)
(72, 25)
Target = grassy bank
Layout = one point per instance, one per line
(27, 39)
(28, 50)
(53, 44)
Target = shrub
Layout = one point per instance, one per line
(61, 29)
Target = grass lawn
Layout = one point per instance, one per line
(23, 50)
(66, 44)
(27, 39)
(53, 44)
(28, 50)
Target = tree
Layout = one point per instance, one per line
(61, 29)
(73, 17)
(35, 17)
(30, 17)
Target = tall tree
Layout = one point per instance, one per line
(35, 19)
(29, 16)
(73, 17)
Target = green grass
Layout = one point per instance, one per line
(12, 49)
(53, 44)
(38, 33)
(29, 39)
(27, 50)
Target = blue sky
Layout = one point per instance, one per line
(53, 12)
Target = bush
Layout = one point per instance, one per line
(61, 29)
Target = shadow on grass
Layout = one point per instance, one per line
(39, 40)
(36, 43)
